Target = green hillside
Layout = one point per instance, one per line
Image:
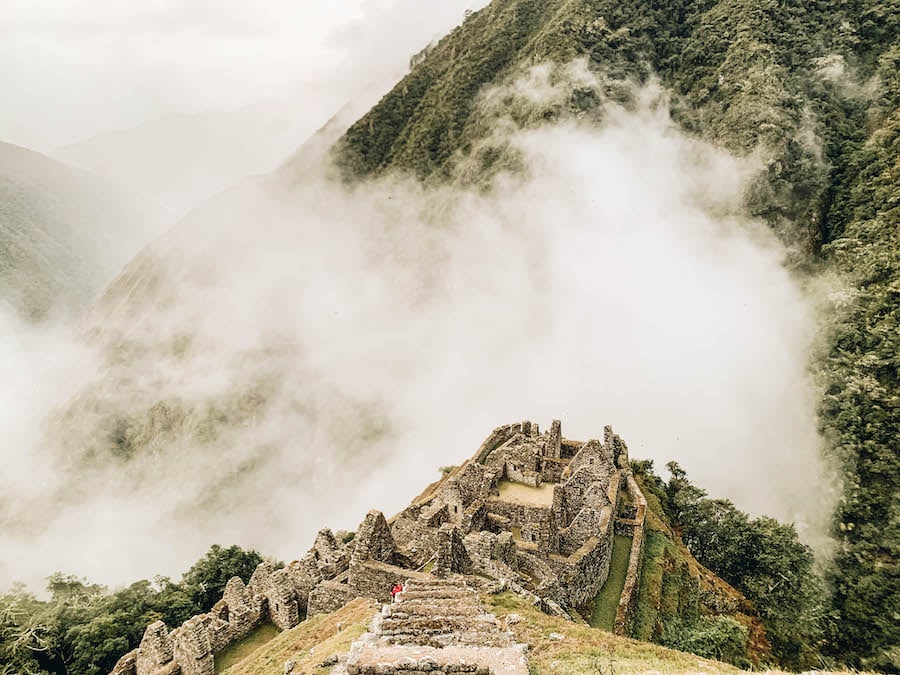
(556, 646)
(812, 84)
(64, 233)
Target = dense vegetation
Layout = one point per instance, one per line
(762, 558)
(83, 628)
(813, 85)
(861, 405)
(680, 607)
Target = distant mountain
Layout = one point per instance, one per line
(183, 159)
(64, 233)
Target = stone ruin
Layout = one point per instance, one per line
(531, 512)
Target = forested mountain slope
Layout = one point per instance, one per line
(63, 233)
(811, 86)
(860, 407)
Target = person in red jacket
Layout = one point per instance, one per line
(395, 591)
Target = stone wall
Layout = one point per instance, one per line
(471, 481)
(575, 493)
(193, 650)
(552, 469)
(540, 529)
(518, 472)
(628, 599)
(543, 575)
(618, 447)
(238, 613)
(553, 444)
(473, 517)
(374, 579)
(569, 448)
(514, 514)
(277, 588)
(582, 528)
(374, 540)
(582, 574)
(498, 437)
(591, 455)
(416, 531)
(485, 548)
(277, 596)
(127, 665)
(584, 571)
(156, 647)
(304, 575)
(190, 648)
(452, 557)
(327, 597)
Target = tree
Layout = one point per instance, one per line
(762, 558)
(83, 629)
(205, 582)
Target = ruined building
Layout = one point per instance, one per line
(530, 511)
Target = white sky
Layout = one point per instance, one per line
(70, 69)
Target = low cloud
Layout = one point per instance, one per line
(322, 350)
(71, 69)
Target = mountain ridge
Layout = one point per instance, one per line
(750, 76)
(65, 232)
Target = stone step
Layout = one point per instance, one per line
(436, 627)
(459, 622)
(434, 581)
(434, 609)
(440, 593)
(437, 623)
(437, 588)
(416, 619)
(470, 600)
(492, 638)
(423, 597)
(402, 665)
(454, 659)
(475, 636)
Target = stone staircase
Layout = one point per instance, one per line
(438, 627)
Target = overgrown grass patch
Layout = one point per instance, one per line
(650, 587)
(240, 650)
(310, 643)
(588, 650)
(605, 605)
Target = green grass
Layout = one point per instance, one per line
(650, 587)
(239, 650)
(309, 643)
(588, 650)
(603, 614)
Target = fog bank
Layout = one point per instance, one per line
(323, 350)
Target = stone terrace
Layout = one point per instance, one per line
(439, 626)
